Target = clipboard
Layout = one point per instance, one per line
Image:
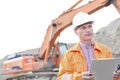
(104, 68)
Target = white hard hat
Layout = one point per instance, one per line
(81, 18)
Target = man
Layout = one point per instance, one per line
(77, 60)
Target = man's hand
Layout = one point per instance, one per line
(88, 76)
(116, 75)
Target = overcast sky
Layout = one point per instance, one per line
(23, 23)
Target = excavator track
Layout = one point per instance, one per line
(31, 76)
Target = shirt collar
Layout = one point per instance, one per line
(77, 48)
(86, 45)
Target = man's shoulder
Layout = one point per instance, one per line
(74, 49)
(100, 46)
(76, 46)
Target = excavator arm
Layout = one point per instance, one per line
(65, 20)
(116, 3)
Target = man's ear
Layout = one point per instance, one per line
(76, 31)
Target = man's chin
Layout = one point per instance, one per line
(88, 39)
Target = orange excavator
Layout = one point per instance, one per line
(51, 52)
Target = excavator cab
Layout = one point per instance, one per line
(57, 51)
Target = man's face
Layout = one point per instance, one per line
(85, 32)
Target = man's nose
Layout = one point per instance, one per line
(88, 29)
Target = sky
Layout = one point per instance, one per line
(23, 23)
